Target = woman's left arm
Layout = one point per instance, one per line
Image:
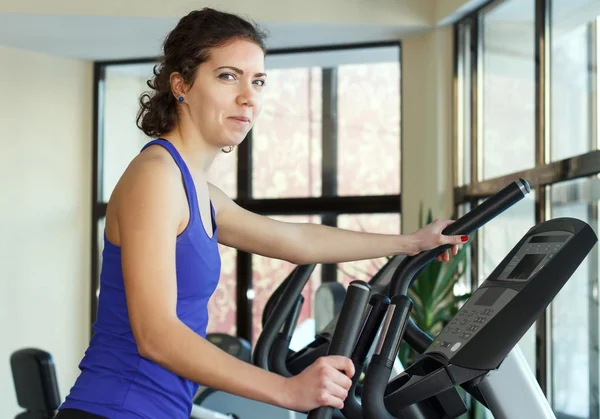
(303, 243)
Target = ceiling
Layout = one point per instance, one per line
(116, 30)
(115, 37)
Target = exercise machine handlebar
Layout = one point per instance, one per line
(410, 267)
(347, 331)
(280, 313)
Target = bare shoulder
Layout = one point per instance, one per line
(149, 189)
(152, 164)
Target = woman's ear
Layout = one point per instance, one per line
(177, 85)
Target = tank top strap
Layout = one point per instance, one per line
(188, 181)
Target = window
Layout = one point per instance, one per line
(464, 106)
(508, 88)
(512, 93)
(223, 173)
(323, 107)
(368, 129)
(575, 313)
(286, 141)
(574, 78)
(364, 270)
(267, 275)
(330, 127)
(222, 304)
(121, 140)
(123, 85)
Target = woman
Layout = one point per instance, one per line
(163, 222)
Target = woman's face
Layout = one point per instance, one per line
(226, 96)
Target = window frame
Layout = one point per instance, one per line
(542, 176)
(328, 206)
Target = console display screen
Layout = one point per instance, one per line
(489, 296)
(526, 266)
(549, 239)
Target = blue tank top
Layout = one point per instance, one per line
(115, 381)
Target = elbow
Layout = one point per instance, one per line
(146, 350)
(295, 260)
(148, 341)
(301, 256)
(307, 255)
(301, 253)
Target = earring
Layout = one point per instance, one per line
(180, 98)
(228, 149)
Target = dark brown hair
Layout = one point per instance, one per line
(186, 47)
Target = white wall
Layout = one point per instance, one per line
(45, 213)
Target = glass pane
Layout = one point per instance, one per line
(464, 105)
(574, 323)
(222, 305)
(496, 239)
(123, 140)
(267, 275)
(508, 88)
(286, 139)
(372, 223)
(223, 173)
(369, 129)
(572, 75)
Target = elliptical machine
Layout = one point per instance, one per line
(476, 351)
(281, 359)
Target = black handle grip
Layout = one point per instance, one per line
(347, 330)
(292, 319)
(280, 349)
(383, 358)
(467, 224)
(378, 305)
(276, 295)
(282, 309)
(393, 328)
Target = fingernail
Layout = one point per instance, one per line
(464, 238)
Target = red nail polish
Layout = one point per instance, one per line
(464, 238)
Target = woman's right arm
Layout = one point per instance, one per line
(149, 208)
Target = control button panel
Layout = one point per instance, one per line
(466, 323)
(471, 319)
